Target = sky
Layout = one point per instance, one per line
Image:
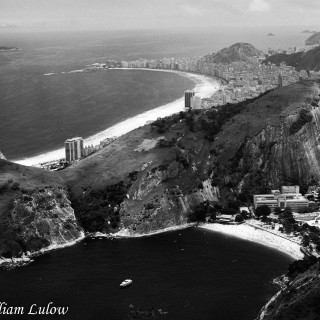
(54, 15)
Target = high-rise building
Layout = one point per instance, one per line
(280, 80)
(187, 98)
(74, 149)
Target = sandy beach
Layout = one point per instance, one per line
(250, 233)
(204, 87)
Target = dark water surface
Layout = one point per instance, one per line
(191, 274)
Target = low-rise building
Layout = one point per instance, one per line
(289, 197)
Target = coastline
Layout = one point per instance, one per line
(27, 258)
(204, 87)
(250, 233)
(125, 233)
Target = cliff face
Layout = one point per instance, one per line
(300, 300)
(274, 141)
(159, 198)
(40, 220)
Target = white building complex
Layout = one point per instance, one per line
(74, 149)
(289, 197)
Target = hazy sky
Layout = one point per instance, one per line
(149, 14)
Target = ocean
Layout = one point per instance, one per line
(190, 274)
(38, 113)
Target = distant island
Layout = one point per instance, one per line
(270, 34)
(9, 49)
(308, 31)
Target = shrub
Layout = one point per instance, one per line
(304, 117)
(263, 211)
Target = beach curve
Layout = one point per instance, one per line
(204, 87)
(258, 235)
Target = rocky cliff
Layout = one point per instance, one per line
(300, 300)
(37, 221)
(271, 142)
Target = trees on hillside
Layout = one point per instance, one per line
(263, 211)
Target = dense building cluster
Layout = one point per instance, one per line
(239, 80)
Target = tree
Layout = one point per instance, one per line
(277, 210)
(244, 214)
(287, 213)
(239, 218)
(263, 211)
(305, 240)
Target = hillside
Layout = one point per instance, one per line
(159, 176)
(155, 176)
(300, 300)
(309, 60)
(235, 53)
(313, 39)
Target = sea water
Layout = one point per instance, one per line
(191, 274)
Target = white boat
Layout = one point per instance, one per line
(126, 283)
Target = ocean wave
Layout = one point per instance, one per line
(205, 87)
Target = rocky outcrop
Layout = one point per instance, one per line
(299, 300)
(235, 53)
(41, 220)
(158, 200)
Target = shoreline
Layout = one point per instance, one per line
(28, 258)
(204, 87)
(125, 233)
(258, 235)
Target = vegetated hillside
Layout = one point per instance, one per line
(272, 142)
(159, 175)
(300, 300)
(309, 60)
(235, 53)
(314, 39)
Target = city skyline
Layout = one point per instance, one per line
(69, 15)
